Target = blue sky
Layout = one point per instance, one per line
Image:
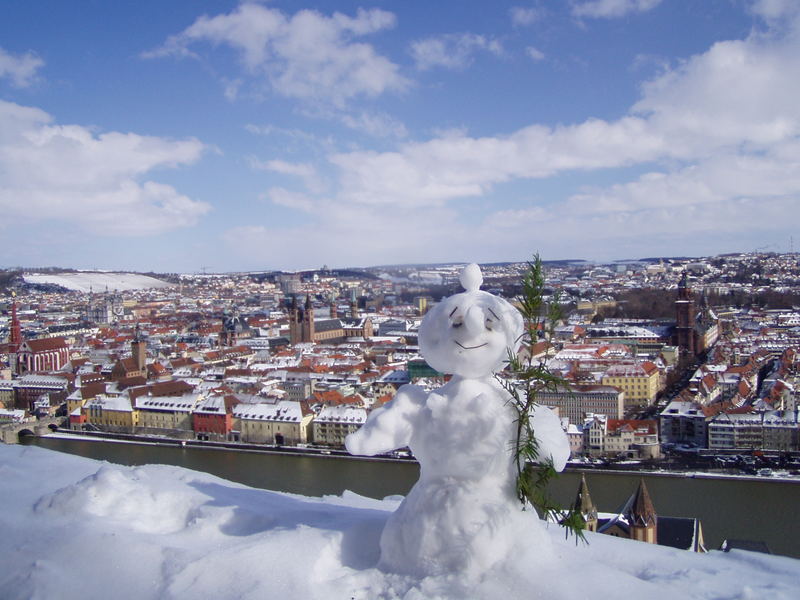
(189, 135)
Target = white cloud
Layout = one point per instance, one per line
(534, 53)
(304, 171)
(774, 10)
(380, 239)
(290, 199)
(452, 51)
(737, 98)
(718, 136)
(21, 70)
(307, 55)
(611, 9)
(69, 173)
(524, 16)
(281, 166)
(456, 166)
(375, 124)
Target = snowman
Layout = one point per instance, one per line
(462, 516)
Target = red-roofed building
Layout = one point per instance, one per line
(213, 417)
(616, 437)
(46, 354)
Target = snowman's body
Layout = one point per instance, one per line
(462, 513)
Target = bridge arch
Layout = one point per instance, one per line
(22, 433)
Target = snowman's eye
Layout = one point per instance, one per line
(458, 321)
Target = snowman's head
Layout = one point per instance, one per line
(470, 334)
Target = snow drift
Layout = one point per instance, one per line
(74, 528)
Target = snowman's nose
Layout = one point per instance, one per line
(473, 320)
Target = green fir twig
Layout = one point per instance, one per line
(526, 379)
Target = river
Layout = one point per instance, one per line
(763, 509)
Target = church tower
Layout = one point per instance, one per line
(353, 303)
(584, 505)
(641, 516)
(685, 317)
(14, 336)
(334, 306)
(295, 331)
(308, 322)
(139, 349)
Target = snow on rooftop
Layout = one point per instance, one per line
(81, 528)
(283, 410)
(342, 413)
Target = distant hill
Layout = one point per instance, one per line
(84, 281)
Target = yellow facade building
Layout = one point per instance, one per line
(111, 413)
(282, 423)
(641, 382)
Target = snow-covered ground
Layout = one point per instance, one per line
(78, 528)
(97, 281)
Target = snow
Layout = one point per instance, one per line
(97, 281)
(75, 528)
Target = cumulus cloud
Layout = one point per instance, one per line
(375, 124)
(457, 165)
(719, 134)
(307, 55)
(305, 171)
(612, 9)
(20, 69)
(404, 237)
(775, 10)
(452, 51)
(290, 199)
(715, 142)
(534, 53)
(738, 97)
(70, 173)
(524, 16)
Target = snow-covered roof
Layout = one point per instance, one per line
(184, 403)
(342, 413)
(117, 403)
(283, 411)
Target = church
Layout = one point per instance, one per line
(304, 327)
(695, 330)
(637, 520)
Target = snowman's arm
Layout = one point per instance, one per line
(390, 426)
(553, 442)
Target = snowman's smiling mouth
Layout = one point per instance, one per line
(470, 347)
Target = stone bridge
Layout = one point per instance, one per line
(11, 432)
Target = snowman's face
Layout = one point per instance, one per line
(470, 334)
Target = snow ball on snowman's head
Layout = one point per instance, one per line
(470, 334)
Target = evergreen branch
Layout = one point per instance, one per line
(526, 380)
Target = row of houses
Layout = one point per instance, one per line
(175, 409)
(743, 428)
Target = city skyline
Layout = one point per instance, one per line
(229, 136)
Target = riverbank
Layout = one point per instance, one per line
(211, 445)
(580, 466)
(740, 507)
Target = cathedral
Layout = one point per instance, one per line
(695, 330)
(304, 327)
